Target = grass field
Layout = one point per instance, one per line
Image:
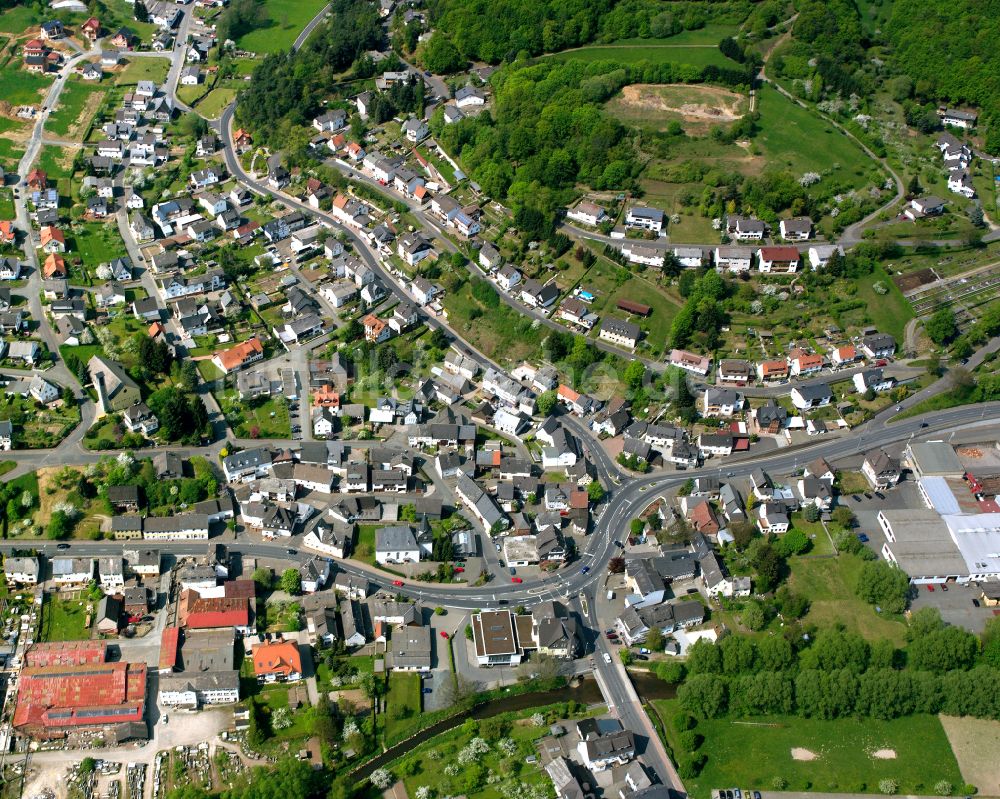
(286, 19)
(889, 312)
(19, 87)
(656, 51)
(499, 332)
(63, 619)
(154, 69)
(78, 103)
(6, 205)
(753, 753)
(95, 243)
(698, 48)
(830, 584)
(603, 278)
(18, 19)
(423, 768)
(215, 101)
(786, 127)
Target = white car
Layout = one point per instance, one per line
(607, 658)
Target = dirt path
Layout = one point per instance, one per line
(975, 743)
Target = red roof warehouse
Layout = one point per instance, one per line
(53, 701)
(65, 653)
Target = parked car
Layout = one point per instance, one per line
(975, 603)
(427, 690)
(862, 538)
(930, 588)
(444, 634)
(516, 580)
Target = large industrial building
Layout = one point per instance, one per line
(71, 688)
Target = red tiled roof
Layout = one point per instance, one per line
(234, 358)
(277, 657)
(806, 360)
(49, 233)
(774, 367)
(702, 518)
(579, 499)
(55, 266)
(568, 394)
(779, 253)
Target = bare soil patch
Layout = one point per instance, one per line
(798, 753)
(884, 754)
(975, 743)
(697, 107)
(914, 280)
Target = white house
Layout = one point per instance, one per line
(587, 213)
(960, 182)
(642, 218)
(396, 544)
(796, 229)
(959, 119)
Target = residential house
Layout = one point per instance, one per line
(811, 396)
(881, 469)
(798, 228)
(641, 218)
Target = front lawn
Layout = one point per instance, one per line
(364, 544)
(64, 619)
(846, 755)
(154, 69)
(265, 417)
(403, 703)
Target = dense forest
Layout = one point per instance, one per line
(948, 49)
(924, 53)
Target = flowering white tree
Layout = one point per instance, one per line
(350, 729)
(381, 778)
(507, 746)
(474, 750)
(104, 271)
(281, 719)
(424, 792)
(538, 720)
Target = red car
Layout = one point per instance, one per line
(397, 583)
(444, 634)
(459, 569)
(516, 580)
(930, 587)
